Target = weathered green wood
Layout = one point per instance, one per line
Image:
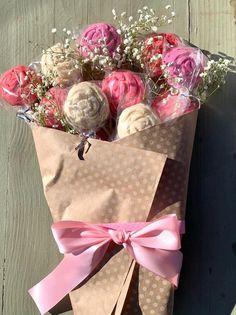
(28, 243)
(27, 250)
(5, 137)
(212, 25)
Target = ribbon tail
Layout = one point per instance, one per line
(72, 270)
(164, 263)
(124, 290)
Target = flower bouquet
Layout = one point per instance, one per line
(113, 112)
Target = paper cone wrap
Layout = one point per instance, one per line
(137, 178)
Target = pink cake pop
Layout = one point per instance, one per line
(15, 85)
(157, 44)
(123, 89)
(187, 62)
(99, 35)
(52, 106)
(168, 106)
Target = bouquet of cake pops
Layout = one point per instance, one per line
(139, 88)
(108, 82)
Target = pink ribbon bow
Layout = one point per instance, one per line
(153, 245)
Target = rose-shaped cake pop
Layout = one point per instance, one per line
(185, 62)
(51, 107)
(98, 36)
(135, 118)
(86, 106)
(61, 63)
(15, 85)
(168, 106)
(123, 89)
(154, 47)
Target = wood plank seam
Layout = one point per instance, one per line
(189, 21)
(5, 234)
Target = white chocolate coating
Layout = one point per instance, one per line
(62, 62)
(86, 106)
(135, 118)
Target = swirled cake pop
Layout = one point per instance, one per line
(98, 36)
(62, 64)
(86, 106)
(123, 89)
(135, 118)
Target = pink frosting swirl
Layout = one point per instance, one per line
(187, 61)
(123, 89)
(15, 85)
(97, 35)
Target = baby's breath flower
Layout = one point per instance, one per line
(168, 6)
(117, 56)
(150, 41)
(213, 77)
(154, 28)
(54, 30)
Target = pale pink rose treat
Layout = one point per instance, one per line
(97, 36)
(187, 62)
(123, 89)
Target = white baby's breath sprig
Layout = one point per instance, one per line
(133, 31)
(213, 77)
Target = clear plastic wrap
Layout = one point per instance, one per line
(167, 83)
(183, 65)
(125, 88)
(156, 45)
(16, 86)
(174, 103)
(86, 107)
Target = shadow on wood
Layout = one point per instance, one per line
(208, 278)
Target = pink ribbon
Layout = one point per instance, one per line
(153, 245)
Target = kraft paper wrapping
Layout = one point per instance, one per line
(137, 178)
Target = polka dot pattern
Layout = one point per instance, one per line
(173, 138)
(108, 186)
(154, 294)
(127, 180)
(102, 290)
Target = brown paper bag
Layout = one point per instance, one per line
(136, 178)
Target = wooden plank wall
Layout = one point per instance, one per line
(27, 251)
